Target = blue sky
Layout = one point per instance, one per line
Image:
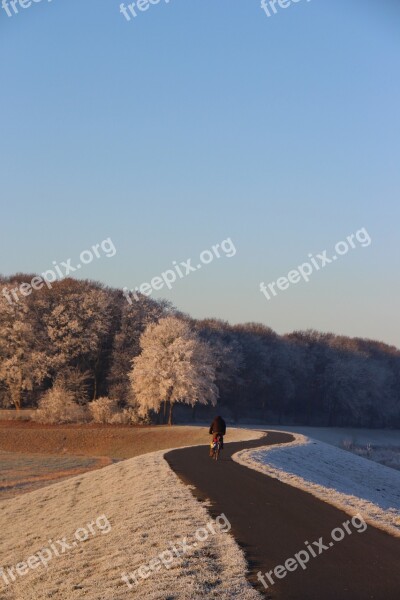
(199, 121)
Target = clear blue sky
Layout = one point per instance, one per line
(202, 120)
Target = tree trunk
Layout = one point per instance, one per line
(95, 387)
(165, 412)
(171, 408)
(331, 415)
(96, 376)
(16, 397)
(263, 409)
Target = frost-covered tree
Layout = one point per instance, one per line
(134, 318)
(78, 324)
(82, 337)
(228, 356)
(174, 366)
(22, 364)
(253, 390)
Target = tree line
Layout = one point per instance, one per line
(86, 338)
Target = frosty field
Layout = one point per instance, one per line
(142, 500)
(20, 473)
(380, 445)
(48, 453)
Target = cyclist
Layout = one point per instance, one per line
(218, 429)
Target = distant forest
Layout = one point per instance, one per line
(85, 334)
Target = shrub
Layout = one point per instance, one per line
(57, 405)
(347, 444)
(124, 417)
(103, 410)
(129, 416)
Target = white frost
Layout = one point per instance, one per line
(147, 506)
(340, 478)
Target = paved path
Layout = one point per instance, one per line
(271, 521)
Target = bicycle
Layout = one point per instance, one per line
(215, 450)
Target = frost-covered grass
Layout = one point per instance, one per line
(21, 473)
(388, 456)
(380, 445)
(340, 478)
(148, 507)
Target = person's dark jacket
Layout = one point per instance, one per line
(218, 426)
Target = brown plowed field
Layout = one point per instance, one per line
(33, 455)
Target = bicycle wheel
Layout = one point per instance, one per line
(217, 451)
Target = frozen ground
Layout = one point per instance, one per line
(21, 473)
(148, 508)
(380, 445)
(340, 478)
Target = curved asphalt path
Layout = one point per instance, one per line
(271, 521)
